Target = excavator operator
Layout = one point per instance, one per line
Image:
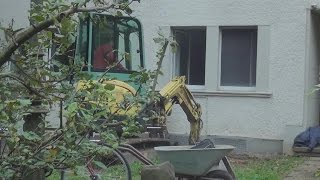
(104, 58)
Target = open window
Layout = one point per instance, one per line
(191, 53)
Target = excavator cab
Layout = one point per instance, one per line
(110, 43)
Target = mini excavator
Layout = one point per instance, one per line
(100, 40)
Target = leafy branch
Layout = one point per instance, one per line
(22, 82)
(24, 35)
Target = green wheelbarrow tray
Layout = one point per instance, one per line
(194, 162)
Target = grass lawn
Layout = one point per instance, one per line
(114, 173)
(265, 169)
(245, 168)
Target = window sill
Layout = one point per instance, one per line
(232, 93)
(196, 87)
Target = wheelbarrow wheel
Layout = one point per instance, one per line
(219, 174)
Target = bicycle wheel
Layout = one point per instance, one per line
(114, 166)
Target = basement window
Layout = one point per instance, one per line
(190, 54)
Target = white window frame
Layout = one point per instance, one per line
(212, 67)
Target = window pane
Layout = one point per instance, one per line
(116, 44)
(238, 57)
(197, 57)
(121, 50)
(82, 44)
(182, 54)
(135, 50)
(102, 44)
(128, 44)
(190, 56)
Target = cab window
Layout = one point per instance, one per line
(116, 44)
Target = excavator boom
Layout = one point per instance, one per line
(176, 92)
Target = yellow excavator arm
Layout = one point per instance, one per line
(176, 92)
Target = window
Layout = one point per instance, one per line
(103, 45)
(191, 53)
(106, 42)
(116, 44)
(238, 56)
(82, 44)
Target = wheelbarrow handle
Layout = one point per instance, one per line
(227, 164)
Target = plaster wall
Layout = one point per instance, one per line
(15, 9)
(311, 100)
(286, 64)
(13, 12)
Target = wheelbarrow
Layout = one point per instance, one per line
(197, 163)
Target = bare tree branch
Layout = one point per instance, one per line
(162, 53)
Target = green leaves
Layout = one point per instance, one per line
(72, 107)
(95, 107)
(6, 171)
(79, 1)
(119, 13)
(109, 87)
(24, 102)
(37, 17)
(174, 45)
(158, 40)
(31, 136)
(99, 164)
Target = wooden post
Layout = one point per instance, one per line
(35, 122)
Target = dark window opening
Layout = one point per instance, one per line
(190, 55)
